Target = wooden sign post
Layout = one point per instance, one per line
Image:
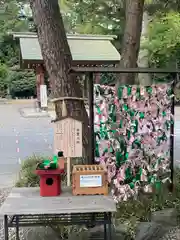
(68, 138)
(43, 96)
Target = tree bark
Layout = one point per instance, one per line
(131, 40)
(143, 58)
(57, 58)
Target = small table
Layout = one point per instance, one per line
(24, 207)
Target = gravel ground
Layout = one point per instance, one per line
(4, 192)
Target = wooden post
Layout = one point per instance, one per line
(97, 78)
(68, 139)
(68, 171)
(85, 86)
(39, 80)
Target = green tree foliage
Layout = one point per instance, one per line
(95, 17)
(164, 40)
(3, 79)
(21, 83)
(10, 21)
(164, 46)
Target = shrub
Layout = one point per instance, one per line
(22, 83)
(3, 78)
(27, 176)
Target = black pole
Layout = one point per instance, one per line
(172, 140)
(91, 142)
(91, 159)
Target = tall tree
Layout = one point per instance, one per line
(131, 39)
(143, 58)
(57, 58)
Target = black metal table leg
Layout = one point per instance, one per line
(109, 227)
(17, 227)
(105, 226)
(6, 232)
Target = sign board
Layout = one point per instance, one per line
(68, 137)
(90, 180)
(43, 96)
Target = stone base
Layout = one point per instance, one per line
(96, 233)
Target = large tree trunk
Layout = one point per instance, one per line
(131, 40)
(143, 59)
(58, 59)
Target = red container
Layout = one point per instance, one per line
(50, 182)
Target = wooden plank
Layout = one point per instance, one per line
(28, 201)
(121, 70)
(68, 137)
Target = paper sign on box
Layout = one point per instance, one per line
(90, 180)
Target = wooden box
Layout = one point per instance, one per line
(89, 180)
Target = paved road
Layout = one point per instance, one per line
(21, 137)
(32, 135)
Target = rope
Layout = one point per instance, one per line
(67, 98)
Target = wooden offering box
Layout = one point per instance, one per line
(89, 180)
